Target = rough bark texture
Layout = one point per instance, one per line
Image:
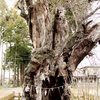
(55, 56)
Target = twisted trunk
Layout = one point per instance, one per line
(55, 56)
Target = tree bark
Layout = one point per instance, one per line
(14, 81)
(21, 74)
(18, 75)
(55, 55)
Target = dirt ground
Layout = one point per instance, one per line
(6, 91)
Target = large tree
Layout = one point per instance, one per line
(59, 45)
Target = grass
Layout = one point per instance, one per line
(1, 88)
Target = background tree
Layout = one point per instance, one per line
(58, 45)
(2, 14)
(19, 47)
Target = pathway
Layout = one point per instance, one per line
(10, 90)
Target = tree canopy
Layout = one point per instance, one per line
(14, 34)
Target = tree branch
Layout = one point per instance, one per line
(89, 15)
(76, 22)
(81, 48)
(23, 8)
(79, 52)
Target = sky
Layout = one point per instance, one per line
(10, 3)
(87, 61)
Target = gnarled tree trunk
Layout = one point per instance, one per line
(55, 56)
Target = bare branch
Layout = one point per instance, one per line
(89, 15)
(24, 11)
(88, 22)
(76, 22)
(92, 28)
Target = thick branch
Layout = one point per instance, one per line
(79, 52)
(82, 47)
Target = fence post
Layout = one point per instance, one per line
(18, 96)
(13, 95)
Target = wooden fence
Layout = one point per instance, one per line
(84, 96)
(11, 96)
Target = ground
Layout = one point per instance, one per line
(77, 91)
(6, 91)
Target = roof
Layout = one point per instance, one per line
(79, 75)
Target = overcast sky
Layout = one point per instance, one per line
(10, 3)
